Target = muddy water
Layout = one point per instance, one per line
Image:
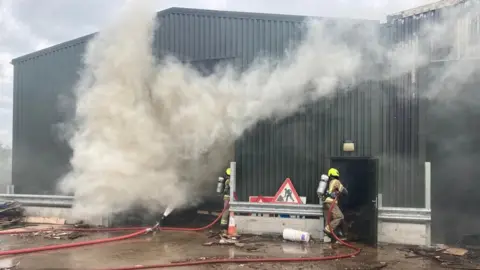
(165, 247)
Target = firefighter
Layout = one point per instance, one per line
(334, 189)
(226, 198)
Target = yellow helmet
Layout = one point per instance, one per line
(228, 171)
(333, 172)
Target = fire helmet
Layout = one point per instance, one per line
(333, 172)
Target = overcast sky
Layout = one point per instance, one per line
(29, 25)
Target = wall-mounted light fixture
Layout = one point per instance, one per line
(348, 146)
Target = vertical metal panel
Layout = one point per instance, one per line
(39, 156)
(401, 165)
(301, 144)
(297, 146)
(379, 117)
(440, 126)
(193, 36)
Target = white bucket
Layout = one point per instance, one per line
(294, 235)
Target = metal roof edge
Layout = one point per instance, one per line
(426, 8)
(53, 48)
(188, 11)
(250, 15)
(231, 14)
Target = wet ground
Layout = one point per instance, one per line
(165, 247)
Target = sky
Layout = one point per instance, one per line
(30, 25)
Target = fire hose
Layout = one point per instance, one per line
(143, 230)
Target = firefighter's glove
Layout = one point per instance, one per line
(345, 191)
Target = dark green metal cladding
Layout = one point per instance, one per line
(448, 126)
(382, 118)
(44, 77)
(377, 116)
(40, 82)
(382, 125)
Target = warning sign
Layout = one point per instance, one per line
(261, 199)
(287, 193)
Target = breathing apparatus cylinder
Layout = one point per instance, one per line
(322, 186)
(220, 184)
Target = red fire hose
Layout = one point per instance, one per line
(139, 231)
(142, 230)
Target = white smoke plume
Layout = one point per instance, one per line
(156, 133)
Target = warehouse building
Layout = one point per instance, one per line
(386, 121)
(451, 111)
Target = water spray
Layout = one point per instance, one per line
(167, 211)
(160, 223)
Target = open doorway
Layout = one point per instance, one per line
(359, 175)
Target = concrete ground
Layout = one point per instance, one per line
(165, 247)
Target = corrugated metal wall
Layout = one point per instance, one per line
(40, 81)
(382, 118)
(451, 132)
(298, 147)
(192, 35)
(376, 116)
(199, 36)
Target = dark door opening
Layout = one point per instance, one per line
(359, 176)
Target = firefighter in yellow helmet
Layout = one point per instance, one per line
(226, 197)
(334, 189)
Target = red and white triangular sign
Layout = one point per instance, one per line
(287, 193)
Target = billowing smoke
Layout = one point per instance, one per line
(155, 133)
(446, 52)
(451, 88)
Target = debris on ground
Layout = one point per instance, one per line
(45, 220)
(11, 214)
(226, 240)
(448, 257)
(215, 258)
(455, 251)
(52, 234)
(369, 266)
(82, 225)
(212, 234)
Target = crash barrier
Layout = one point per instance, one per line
(411, 226)
(203, 261)
(277, 208)
(310, 218)
(51, 206)
(395, 224)
(39, 200)
(419, 215)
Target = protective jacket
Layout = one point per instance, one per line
(226, 187)
(334, 186)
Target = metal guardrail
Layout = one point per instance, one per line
(40, 200)
(415, 215)
(275, 208)
(384, 214)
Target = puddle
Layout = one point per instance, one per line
(173, 246)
